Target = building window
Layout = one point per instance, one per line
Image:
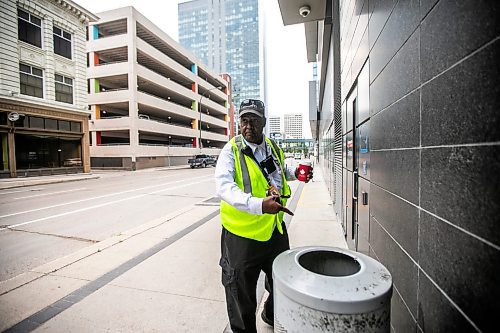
(62, 42)
(64, 125)
(29, 28)
(76, 127)
(36, 122)
(51, 124)
(64, 89)
(31, 80)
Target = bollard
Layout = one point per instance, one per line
(327, 289)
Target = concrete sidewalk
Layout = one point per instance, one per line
(160, 277)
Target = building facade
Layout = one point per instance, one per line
(409, 134)
(293, 126)
(233, 130)
(153, 103)
(228, 36)
(274, 124)
(305, 147)
(43, 89)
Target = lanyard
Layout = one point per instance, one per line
(248, 152)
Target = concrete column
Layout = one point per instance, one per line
(80, 61)
(12, 154)
(49, 71)
(85, 142)
(132, 86)
(5, 152)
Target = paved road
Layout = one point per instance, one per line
(42, 223)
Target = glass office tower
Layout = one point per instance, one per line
(228, 36)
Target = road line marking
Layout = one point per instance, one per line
(104, 204)
(292, 204)
(42, 194)
(31, 190)
(98, 197)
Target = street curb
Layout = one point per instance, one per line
(25, 183)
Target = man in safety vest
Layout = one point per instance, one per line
(251, 179)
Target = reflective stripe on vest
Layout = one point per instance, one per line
(247, 185)
(249, 177)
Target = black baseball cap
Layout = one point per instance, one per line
(253, 106)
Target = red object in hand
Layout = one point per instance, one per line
(304, 169)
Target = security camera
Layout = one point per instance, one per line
(304, 11)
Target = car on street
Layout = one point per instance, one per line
(202, 161)
(72, 162)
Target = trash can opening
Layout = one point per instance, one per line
(329, 263)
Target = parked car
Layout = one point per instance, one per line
(202, 161)
(72, 162)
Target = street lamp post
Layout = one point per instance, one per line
(199, 108)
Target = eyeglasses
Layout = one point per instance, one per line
(245, 121)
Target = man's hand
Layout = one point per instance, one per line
(271, 206)
(310, 175)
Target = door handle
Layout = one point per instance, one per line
(354, 194)
(364, 198)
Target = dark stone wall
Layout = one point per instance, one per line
(425, 77)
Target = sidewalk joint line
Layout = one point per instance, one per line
(58, 236)
(167, 293)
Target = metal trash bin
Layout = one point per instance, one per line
(328, 289)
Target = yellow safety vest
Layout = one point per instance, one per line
(250, 179)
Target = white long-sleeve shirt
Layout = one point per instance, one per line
(227, 189)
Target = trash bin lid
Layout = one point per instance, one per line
(332, 279)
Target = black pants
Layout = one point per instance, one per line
(241, 261)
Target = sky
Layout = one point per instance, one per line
(288, 72)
